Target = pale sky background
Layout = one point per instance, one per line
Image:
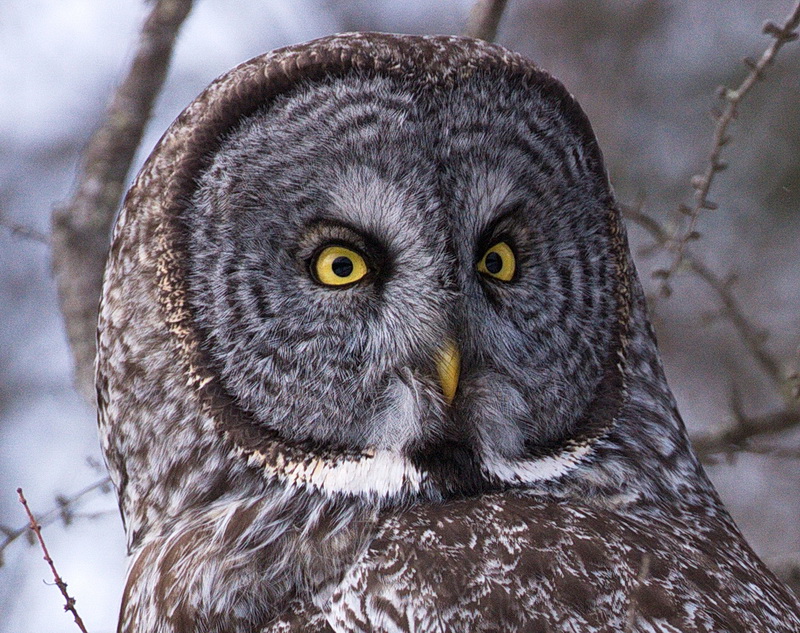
(645, 72)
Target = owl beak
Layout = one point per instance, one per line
(448, 365)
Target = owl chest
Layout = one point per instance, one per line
(241, 561)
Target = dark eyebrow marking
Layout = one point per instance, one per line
(499, 225)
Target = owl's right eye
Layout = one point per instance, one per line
(337, 265)
(498, 262)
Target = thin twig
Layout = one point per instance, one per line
(752, 336)
(787, 568)
(732, 97)
(62, 586)
(737, 436)
(484, 19)
(63, 510)
(24, 232)
(81, 229)
(776, 452)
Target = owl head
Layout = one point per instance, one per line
(381, 266)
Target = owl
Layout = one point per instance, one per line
(373, 356)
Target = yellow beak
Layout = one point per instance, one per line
(448, 364)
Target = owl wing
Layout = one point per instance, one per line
(300, 616)
(484, 565)
(511, 562)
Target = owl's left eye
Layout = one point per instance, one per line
(338, 266)
(498, 262)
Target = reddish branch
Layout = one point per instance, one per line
(81, 229)
(484, 19)
(64, 510)
(70, 601)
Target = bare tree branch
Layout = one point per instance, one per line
(732, 97)
(484, 19)
(22, 231)
(62, 586)
(63, 510)
(787, 568)
(80, 230)
(737, 436)
(778, 452)
(752, 336)
(745, 428)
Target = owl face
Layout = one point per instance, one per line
(348, 236)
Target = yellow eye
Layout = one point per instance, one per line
(498, 262)
(338, 266)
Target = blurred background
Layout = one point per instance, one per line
(645, 71)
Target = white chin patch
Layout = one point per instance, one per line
(536, 470)
(378, 473)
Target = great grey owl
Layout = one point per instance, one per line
(373, 357)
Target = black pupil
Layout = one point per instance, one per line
(342, 266)
(494, 263)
